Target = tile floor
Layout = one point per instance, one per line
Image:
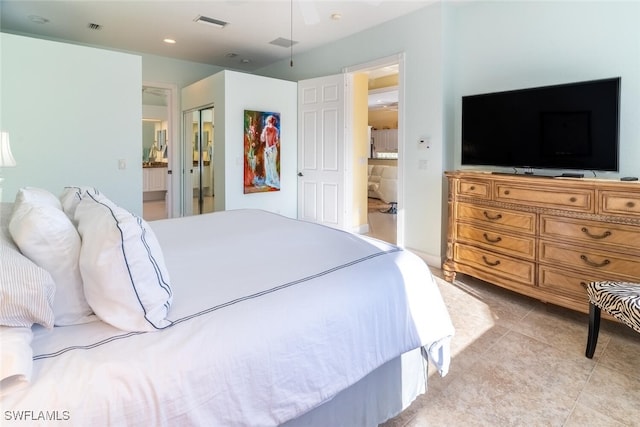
(382, 225)
(156, 209)
(519, 362)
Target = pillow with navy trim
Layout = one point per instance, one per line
(125, 278)
(72, 195)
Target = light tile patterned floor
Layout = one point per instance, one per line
(519, 362)
(382, 225)
(156, 209)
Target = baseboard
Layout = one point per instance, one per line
(362, 229)
(431, 260)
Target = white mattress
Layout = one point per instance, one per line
(272, 317)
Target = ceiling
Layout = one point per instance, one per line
(244, 44)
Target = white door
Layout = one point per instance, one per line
(322, 155)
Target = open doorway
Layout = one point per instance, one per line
(155, 152)
(384, 187)
(160, 150)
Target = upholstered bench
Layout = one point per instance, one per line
(620, 299)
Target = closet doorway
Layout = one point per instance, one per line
(199, 152)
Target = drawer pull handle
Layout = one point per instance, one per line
(492, 264)
(631, 204)
(473, 187)
(507, 192)
(496, 240)
(573, 199)
(492, 217)
(594, 264)
(595, 236)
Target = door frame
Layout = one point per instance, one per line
(186, 184)
(379, 63)
(174, 152)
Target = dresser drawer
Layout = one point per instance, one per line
(505, 219)
(546, 196)
(566, 282)
(619, 203)
(478, 189)
(590, 260)
(520, 246)
(495, 264)
(624, 237)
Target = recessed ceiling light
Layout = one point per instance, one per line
(37, 19)
(245, 61)
(231, 55)
(336, 16)
(169, 41)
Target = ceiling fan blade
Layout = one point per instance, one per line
(309, 12)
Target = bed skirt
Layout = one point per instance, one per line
(376, 398)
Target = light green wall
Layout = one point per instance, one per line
(420, 37)
(450, 49)
(159, 69)
(458, 48)
(532, 44)
(73, 114)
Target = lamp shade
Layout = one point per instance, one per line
(6, 158)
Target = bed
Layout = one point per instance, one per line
(270, 321)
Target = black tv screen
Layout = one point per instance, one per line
(568, 126)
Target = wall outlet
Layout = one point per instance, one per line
(424, 143)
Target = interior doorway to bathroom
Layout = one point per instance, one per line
(157, 131)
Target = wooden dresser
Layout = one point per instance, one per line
(542, 236)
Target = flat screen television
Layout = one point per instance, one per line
(567, 126)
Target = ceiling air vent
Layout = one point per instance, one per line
(282, 42)
(210, 21)
(93, 26)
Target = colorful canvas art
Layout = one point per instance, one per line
(261, 151)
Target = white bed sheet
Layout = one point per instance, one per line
(272, 317)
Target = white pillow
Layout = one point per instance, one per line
(26, 290)
(125, 278)
(47, 237)
(71, 196)
(37, 196)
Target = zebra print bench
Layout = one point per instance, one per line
(619, 299)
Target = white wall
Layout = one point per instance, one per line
(72, 113)
(232, 93)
